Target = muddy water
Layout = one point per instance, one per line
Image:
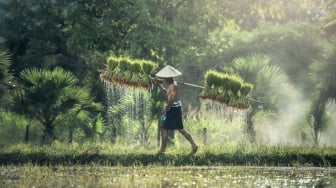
(158, 176)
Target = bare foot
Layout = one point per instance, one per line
(194, 150)
(161, 152)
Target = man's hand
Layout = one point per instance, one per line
(156, 80)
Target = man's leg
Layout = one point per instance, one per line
(164, 140)
(189, 138)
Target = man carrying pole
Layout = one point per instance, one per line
(172, 113)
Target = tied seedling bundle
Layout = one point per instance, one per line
(128, 72)
(227, 89)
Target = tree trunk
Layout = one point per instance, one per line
(113, 134)
(48, 136)
(249, 126)
(27, 133)
(70, 139)
(318, 110)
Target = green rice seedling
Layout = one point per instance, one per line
(246, 89)
(136, 71)
(122, 68)
(235, 84)
(148, 67)
(209, 92)
(226, 82)
(221, 95)
(213, 78)
(222, 87)
(129, 70)
(112, 64)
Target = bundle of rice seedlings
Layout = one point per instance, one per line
(112, 64)
(213, 81)
(136, 71)
(122, 68)
(246, 89)
(226, 89)
(147, 69)
(235, 84)
(128, 72)
(226, 82)
(213, 78)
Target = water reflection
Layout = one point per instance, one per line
(159, 176)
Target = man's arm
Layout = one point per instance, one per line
(164, 90)
(157, 82)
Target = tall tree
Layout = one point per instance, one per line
(33, 33)
(61, 33)
(51, 97)
(324, 79)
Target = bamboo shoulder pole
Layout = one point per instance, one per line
(191, 85)
(202, 87)
(183, 83)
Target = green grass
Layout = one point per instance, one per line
(119, 155)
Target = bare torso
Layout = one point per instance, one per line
(173, 93)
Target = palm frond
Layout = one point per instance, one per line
(4, 68)
(322, 73)
(271, 84)
(52, 96)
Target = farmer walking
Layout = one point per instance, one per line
(172, 113)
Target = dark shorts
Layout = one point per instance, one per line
(173, 119)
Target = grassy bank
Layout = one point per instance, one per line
(119, 155)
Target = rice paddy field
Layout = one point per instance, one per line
(165, 176)
(103, 165)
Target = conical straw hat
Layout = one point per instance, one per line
(167, 72)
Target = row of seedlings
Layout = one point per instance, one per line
(128, 72)
(227, 89)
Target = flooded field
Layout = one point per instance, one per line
(161, 176)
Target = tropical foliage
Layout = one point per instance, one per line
(4, 70)
(324, 79)
(196, 36)
(272, 89)
(51, 98)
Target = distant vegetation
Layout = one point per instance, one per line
(53, 52)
